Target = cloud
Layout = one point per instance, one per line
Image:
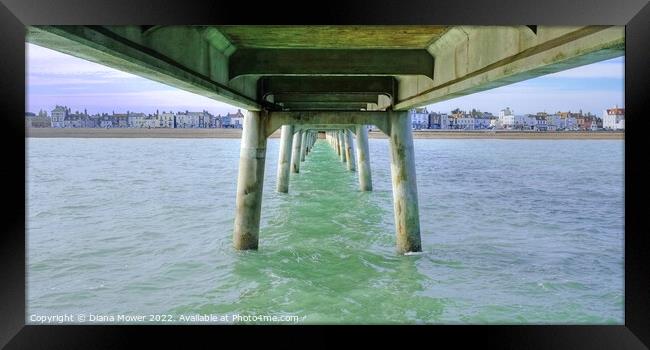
(49, 67)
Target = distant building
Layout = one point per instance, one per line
(464, 122)
(614, 119)
(438, 121)
(37, 121)
(540, 123)
(419, 118)
(106, 121)
(215, 121)
(481, 122)
(570, 123)
(225, 121)
(235, 120)
(508, 120)
(165, 119)
(75, 120)
(58, 115)
(554, 122)
(135, 120)
(120, 120)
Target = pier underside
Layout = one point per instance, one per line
(332, 80)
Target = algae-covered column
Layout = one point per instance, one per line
(341, 139)
(250, 182)
(284, 159)
(310, 143)
(349, 150)
(405, 192)
(337, 142)
(303, 146)
(295, 152)
(363, 159)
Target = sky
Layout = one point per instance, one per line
(54, 78)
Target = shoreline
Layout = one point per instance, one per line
(236, 134)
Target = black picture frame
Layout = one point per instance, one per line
(634, 14)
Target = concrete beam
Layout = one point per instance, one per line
(320, 106)
(376, 118)
(261, 62)
(195, 65)
(332, 85)
(470, 59)
(323, 127)
(326, 97)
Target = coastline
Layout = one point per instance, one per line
(236, 133)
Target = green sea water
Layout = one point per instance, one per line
(513, 232)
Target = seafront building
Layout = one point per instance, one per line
(236, 120)
(614, 118)
(421, 118)
(37, 121)
(58, 115)
(438, 121)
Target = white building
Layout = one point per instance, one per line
(465, 122)
(187, 120)
(165, 120)
(236, 120)
(58, 116)
(508, 120)
(419, 118)
(614, 119)
(135, 120)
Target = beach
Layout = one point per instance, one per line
(236, 133)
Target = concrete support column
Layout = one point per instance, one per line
(405, 192)
(337, 143)
(303, 146)
(307, 145)
(310, 142)
(295, 152)
(363, 159)
(250, 182)
(341, 145)
(349, 150)
(284, 159)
